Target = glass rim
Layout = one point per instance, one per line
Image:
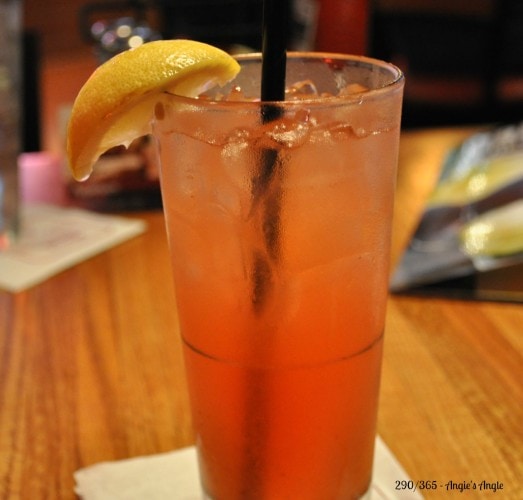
(396, 81)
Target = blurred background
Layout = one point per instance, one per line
(463, 58)
(463, 61)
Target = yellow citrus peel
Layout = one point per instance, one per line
(116, 104)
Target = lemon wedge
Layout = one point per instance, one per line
(495, 233)
(480, 181)
(116, 104)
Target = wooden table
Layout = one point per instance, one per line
(91, 368)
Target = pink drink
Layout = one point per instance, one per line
(279, 234)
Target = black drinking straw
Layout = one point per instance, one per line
(274, 50)
(266, 187)
(274, 60)
(266, 196)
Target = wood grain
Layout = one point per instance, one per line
(91, 369)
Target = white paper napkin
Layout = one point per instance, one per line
(54, 238)
(174, 476)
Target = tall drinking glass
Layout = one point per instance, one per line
(279, 220)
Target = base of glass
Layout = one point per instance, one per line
(365, 496)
